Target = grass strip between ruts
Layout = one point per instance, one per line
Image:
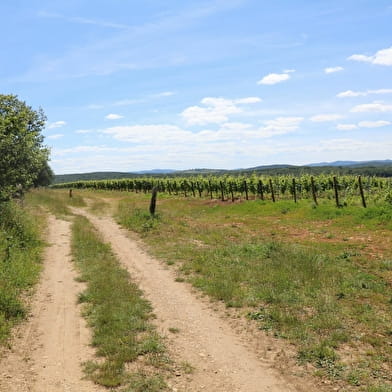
(119, 317)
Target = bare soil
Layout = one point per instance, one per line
(48, 349)
(213, 350)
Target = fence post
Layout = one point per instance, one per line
(231, 191)
(335, 187)
(153, 201)
(222, 193)
(260, 185)
(294, 191)
(361, 191)
(198, 188)
(246, 190)
(70, 193)
(210, 188)
(313, 190)
(272, 190)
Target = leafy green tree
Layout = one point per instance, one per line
(22, 153)
(45, 176)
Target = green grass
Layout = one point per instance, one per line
(317, 277)
(20, 262)
(118, 315)
(57, 202)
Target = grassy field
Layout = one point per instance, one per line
(319, 278)
(20, 262)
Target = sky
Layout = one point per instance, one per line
(131, 85)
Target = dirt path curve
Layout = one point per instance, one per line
(48, 349)
(206, 341)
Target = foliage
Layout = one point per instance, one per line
(22, 154)
(19, 262)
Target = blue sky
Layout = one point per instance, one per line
(134, 85)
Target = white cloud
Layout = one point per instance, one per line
(333, 69)
(113, 116)
(289, 71)
(346, 127)
(215, 110)
(325, 117)
(281, 125)
(55, 136)
(363, 124)
(374, 124)
(164, 94)
(350, 93)
(382, 57)
(372, 107)
(274, 78)
(56, 124)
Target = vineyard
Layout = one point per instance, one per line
(343, 189)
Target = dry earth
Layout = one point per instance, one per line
(49, 348)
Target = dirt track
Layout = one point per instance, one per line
(49, 348)
(206, 341)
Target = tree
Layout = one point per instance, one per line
(22, 153)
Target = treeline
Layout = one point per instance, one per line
(384, 170)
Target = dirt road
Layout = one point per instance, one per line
(204, 340)
(48, 348)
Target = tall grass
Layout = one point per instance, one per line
(20, 251)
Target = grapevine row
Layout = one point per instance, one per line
(248, 187)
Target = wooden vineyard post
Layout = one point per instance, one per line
(198, 188)
(70, 193)
(231, 191)
(361, 191)
(260, 186)
(222, 192)
(335, 187)
(153, 201)
(210, 188)
(294, 191)
(272, 190)
(246, 190)
(313, 190)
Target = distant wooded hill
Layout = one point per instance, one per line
(368, 168)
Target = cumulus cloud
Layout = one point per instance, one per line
(215, 110)
(56, 124)
(363, 124)
(382, 57)
(372, 107)
(281, 125)
(350, 93)
(325, 117)
(346, 127)
(329, 70)
(374, 124)
(113, 116)
(274, 78)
